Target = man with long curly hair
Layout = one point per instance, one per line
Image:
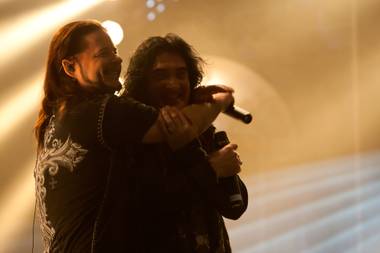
(181, 198)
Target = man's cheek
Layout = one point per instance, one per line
(100, 76)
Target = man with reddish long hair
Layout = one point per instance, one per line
(85, 179)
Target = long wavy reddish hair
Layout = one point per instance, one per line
(58, 86)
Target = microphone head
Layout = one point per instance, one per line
(247, 118)
(239, 114)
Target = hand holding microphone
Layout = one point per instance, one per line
(227, 101)
(226, 163)
(223, 94)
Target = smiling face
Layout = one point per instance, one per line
(98, 65)
(168, 81)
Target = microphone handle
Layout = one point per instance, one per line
(239, 113)
(232, 184)
(233, 187)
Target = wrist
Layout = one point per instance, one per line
(224, 100)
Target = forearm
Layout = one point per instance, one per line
(154, 134)
(202, 115)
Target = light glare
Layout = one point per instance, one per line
(151, 16)
(150, 3)
(17, 107)
(15, 208)
(18, 34)
(160, 7)
(114, 30)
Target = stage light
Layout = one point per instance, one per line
(160, 7)
(19, 105)
(252, 93)
(151, 16)
(150, 3)
(114, 30)
(18, 34)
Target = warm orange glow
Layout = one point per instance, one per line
(33, 25)
(20, 104)
(16, 206)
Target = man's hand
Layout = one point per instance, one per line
(223, 99)
(226, 161)
(204, 94)
(176, 127)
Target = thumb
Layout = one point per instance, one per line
(233, 146)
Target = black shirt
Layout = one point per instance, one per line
(81, 174)
(180, 200)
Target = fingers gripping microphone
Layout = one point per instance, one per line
(239, 113)
(232, 184)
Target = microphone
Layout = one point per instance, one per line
(232, 184)
(239, 113)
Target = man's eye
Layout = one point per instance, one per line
(160, 75)
(182, 74)
(106, 53)
(102, 54)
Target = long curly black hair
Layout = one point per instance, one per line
(142, 61)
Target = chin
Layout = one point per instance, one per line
(117, 86)
(114, 84)
(178, 104)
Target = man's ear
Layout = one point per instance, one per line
(69, 67)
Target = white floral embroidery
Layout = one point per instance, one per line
(54, 155)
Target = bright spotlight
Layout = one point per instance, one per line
(114, 30)
(18, 34)
(150, 3)
(18, 106)
(151, 16)
(160, 7)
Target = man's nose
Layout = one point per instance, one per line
(118, 59)
(173, 84)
